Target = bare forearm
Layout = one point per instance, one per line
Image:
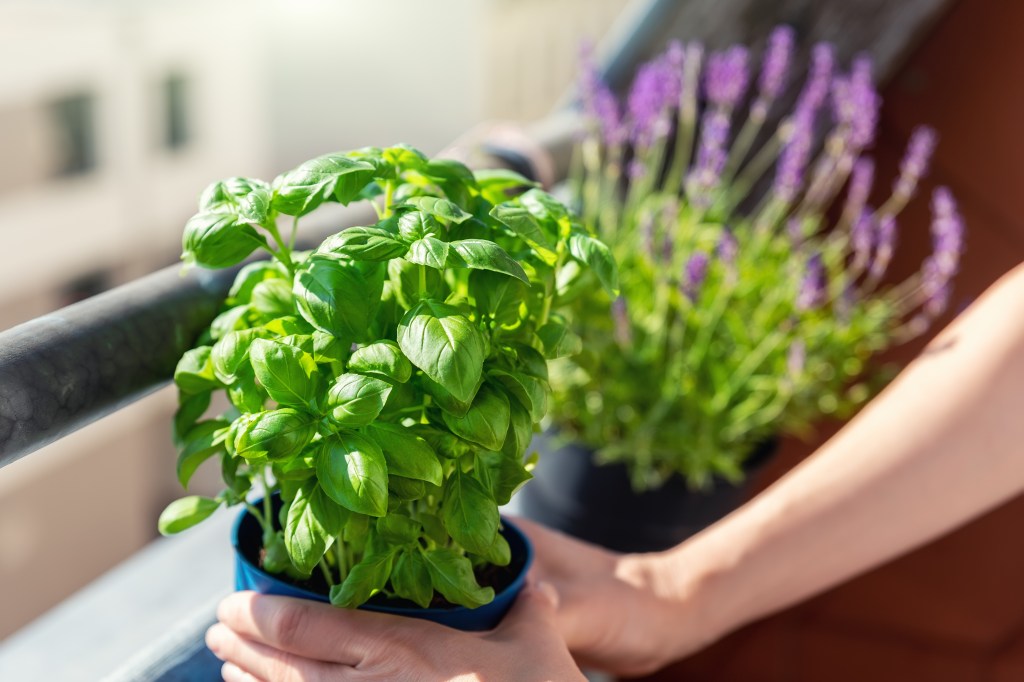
(940, 446)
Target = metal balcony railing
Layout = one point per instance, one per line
(67, 369)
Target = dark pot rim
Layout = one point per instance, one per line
(508, 527)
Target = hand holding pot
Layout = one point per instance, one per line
(627, 614)
(270, 638)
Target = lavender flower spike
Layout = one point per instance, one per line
(789, 173)
(655, 91)
(711, 156)
(726, 76)
(947, 232)
(812, 288)
(820, 78)
(885, 236)
(860, 187)
(694, 273)
(855, 103)
(599, 103)
(915, 162)
(776, 62)
(862, 238)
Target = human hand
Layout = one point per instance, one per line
(264, 638)
(628, 614)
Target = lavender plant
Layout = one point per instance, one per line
(752, 291)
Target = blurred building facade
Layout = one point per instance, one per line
(114, 114)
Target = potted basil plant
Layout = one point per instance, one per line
(754, 288)
(383, 387)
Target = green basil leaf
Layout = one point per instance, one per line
(275, 557)
(353, 472)
(333, 176)
(244, 393)
(356, 399)
(230, 353)
(405, 280)
(469, 513)
(194, 372)
(521, 222)
(411, 578)
(520, 430)
(486, 422)
(191, 406)
(185, 513)
(305, 536)
(443, 399)
(598, 257)
(398, 529)
(452, 575)
(230, 320)
(497, 184)
(414, 225)
(365, 579)
(287, 373)
(227, 194)
(480, 254)
(273, 297)
(383, 359)
(442, 342)
(249, 276)
(439, 208)
(406, 489)
(502, 475)
(449, 169)
(255, 206)
(404, 157)
(339, 297)
(275, 434)
(218, 240)
(530, 361)
(430, 252)
(499, 553)
(406, 454)
(203, 441)
(543, 206)
(558, 340)
(530, 391)
(364, 243)
(497, 295)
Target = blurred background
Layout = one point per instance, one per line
(114, 114)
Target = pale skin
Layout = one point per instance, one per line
(939, 447)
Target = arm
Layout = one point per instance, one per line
(942, 445)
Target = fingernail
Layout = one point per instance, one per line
(230, 672)
(213, 639)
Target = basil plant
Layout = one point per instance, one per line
(386, 384)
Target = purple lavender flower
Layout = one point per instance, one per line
(728, 248)
(860, 187)
(775, 62)
(812, 287)
(711, 156)
(789, 172)
(915, 161)
(861, 238)
(947, 232)
(726, 76)
(620, 315)
(817, 85)
(599, 103)
(694, 273)
(655, 91)
(885, 236)
(855, 104)
(795, 230)
(796, 358)
(636, 169)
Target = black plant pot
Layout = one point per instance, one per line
(596, 503)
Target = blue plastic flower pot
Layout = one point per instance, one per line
(247, 538)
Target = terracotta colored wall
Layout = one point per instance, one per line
(953, 610)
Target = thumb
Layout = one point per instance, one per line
(534, 608)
